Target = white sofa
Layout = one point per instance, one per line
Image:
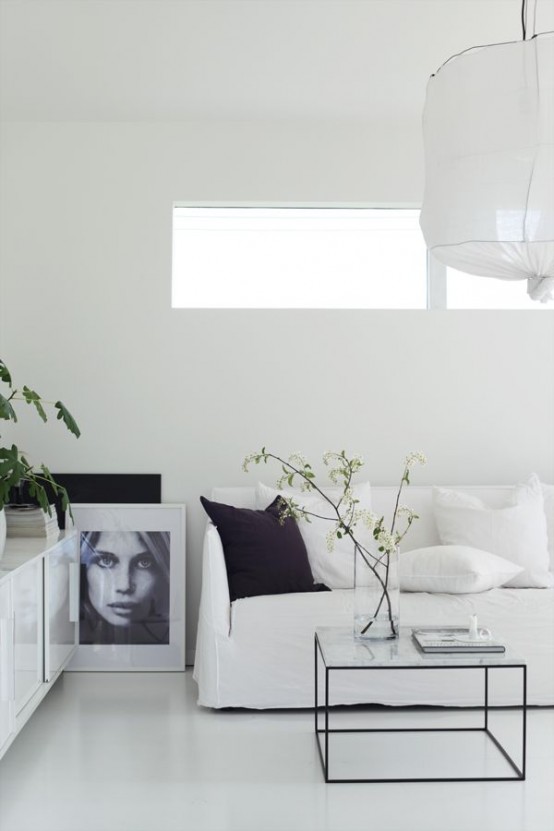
(258, 652)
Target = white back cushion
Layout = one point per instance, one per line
(418, 497)
(515, 530)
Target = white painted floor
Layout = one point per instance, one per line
(133, 752)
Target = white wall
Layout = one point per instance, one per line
(85, 316)
(85, 259)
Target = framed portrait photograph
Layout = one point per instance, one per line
(132, 587)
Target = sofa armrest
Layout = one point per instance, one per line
(215, 602)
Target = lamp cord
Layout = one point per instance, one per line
(524, 17)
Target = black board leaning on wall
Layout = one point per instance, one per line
(104, 487)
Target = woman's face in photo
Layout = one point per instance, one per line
(122, 576)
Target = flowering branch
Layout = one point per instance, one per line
(345, 511)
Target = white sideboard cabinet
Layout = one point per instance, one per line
(39, 623)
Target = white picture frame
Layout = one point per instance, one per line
(132, 603)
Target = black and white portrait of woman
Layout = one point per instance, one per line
(124, 587)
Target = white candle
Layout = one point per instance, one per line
(473, 632)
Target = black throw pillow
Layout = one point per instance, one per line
(262, 555)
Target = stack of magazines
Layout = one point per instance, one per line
(30, 521)
(453, 639)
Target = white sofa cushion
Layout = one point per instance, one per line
(516, 531)
(455, 569)
(335, 568)
(268, 659)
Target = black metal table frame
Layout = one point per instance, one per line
(326, 731)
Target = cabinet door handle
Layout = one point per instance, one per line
(74, 570)
(7, 666)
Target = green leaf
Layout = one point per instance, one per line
(32, 397)
(7, 412)
(24, 461)
(12, 471)
(67, 418)
(66, 504)
(5, 373)
(6, 469)
(10, 454)
(4, 493)
(37, 491)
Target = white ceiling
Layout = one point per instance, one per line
(240, 59)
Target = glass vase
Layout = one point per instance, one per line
(376, 594)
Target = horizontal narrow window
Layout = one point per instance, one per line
(298, 257)
(257, 257)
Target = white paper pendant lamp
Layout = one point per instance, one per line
(488, 127)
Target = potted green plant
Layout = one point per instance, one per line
(15, 469)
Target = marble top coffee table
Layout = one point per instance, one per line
(414, 744)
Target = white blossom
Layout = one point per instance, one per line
(403, 509)
(335, 474)
(292, 509)
(368, 518)
(330, 538)
(418, 457)
(386, 540)
(298, 460)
